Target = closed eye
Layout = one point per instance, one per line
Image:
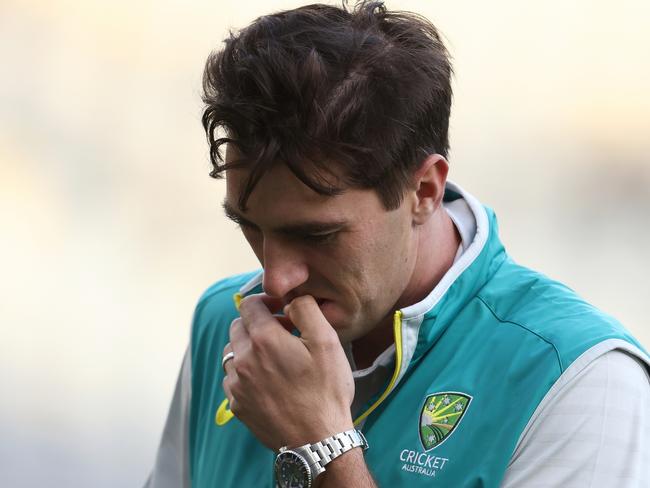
(320, 238)
(314, 232)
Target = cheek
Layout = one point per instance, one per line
(362, 269)
(388, 260)
(367, 265)
(340, 267)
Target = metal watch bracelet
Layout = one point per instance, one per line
(322, 452)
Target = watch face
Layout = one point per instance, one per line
(292, 471)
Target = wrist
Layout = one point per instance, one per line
(304, 464)
(339, 467)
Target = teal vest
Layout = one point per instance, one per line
(473, 362)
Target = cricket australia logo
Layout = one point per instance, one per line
(440, 415)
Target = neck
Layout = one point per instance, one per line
(439, 234)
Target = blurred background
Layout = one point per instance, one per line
(111, 227)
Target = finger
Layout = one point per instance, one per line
(230, 378)
(255, 312)
(306, 316)
(227, 366)
(272, 304)
(226, 384)
(227, 349)
(238, 335)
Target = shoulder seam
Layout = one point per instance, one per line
(500, 319)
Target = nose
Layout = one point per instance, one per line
(284, 268)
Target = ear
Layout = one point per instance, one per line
(429, 187)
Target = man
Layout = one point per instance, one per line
(387, 307)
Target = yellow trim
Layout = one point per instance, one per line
(397, 331)
(237, 297)
(224, 415)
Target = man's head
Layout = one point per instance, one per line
(336, 131)
(345, 98)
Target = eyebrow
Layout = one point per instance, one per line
(298, 228)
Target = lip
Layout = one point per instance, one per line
(325, 306)
(319, 301)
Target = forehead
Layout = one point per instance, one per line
(278, 183)
(279, 194)
(278, 175)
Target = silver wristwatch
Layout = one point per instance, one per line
(299, 466)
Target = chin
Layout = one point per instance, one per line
(345, 329)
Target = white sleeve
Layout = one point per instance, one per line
(594, 432)
(172, 469)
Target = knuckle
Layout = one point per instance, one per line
(330, 337)
(243, 370)
(236, 389)
(260, 339)
(301, 300)
(234, 407)
(235, 323)
(244, 304)
(227, 389)
(330, 342)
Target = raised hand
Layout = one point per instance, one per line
(288, 390)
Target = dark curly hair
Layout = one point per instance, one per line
(346, 98)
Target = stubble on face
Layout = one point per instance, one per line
(379, 262)
(357, 277)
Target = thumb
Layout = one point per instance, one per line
(306, 316)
